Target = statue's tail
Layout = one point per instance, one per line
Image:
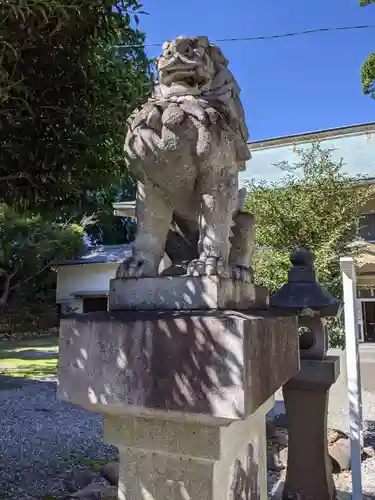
(242, 193)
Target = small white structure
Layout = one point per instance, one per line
(124, 209)
(83, 282)
(354, 372)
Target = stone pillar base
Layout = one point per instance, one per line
(166, 459)
(184, 395)
(309, 470)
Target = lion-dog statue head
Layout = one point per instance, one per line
(193, 66)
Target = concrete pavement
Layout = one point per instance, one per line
(338, 410)
(367, 357)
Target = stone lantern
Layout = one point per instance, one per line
(309, 468)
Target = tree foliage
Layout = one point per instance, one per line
(107, 228)
(65, 94)
(29, 246)
(314, 205)
(368, 67)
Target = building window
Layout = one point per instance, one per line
(92, 304)
(365, 293)
(366, 228)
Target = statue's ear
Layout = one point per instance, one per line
(166, 45)
(217, 56)
(203, 41)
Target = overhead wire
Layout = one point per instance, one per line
(265, 37)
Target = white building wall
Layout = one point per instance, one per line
(356, 148)
(86, 277)
(79, 277)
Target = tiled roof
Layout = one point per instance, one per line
(270, 142)
(100, 255)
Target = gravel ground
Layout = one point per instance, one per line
(343, 481)
(41, 438)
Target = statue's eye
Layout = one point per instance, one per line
(189, 49)
(168, 53)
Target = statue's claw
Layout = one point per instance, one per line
(128, 269)
(207, 266)
(135, 268)
(242, 273)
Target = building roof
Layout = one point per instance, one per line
(331, 133)
(102, 254)
(124, 208)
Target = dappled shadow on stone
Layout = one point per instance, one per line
(195, 368)
(154, 360)
(221, 364)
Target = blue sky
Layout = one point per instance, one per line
(289, 85)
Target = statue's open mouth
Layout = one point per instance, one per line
(180, 74)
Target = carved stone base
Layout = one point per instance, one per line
(163, 459)
(184, 395)
(185, 293)
(211, 365)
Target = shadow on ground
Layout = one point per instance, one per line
(26, 354)
(347, 495)
(340, 495)
(46, 370)
(35, 358)
(31, 371)
(36, 342)
(9, 383)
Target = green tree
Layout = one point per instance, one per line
(315, 205)
(368, 67)
(65, 94)
(29, 247)
(107, 228)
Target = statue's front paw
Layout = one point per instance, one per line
(243, 273)
(207, 266)
(127, 269)
(135, 268)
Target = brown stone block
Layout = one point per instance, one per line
(221, 365)
(194, 293)
(309, 469)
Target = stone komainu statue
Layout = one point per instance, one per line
(186, 146)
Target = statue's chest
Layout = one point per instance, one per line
(176, 172)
